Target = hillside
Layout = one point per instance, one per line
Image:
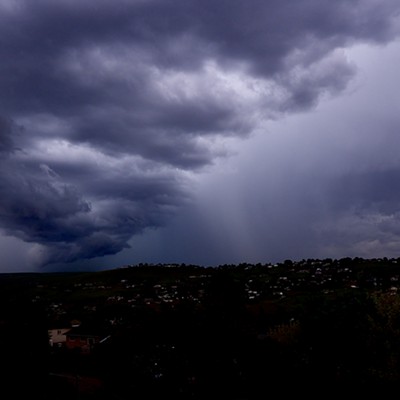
(193, 331)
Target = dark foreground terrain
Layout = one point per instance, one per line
(317, 327)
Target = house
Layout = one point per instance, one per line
(57, 337)
(85, 338)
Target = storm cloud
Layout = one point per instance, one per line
(110, 109)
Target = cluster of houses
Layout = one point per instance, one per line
(259, 282)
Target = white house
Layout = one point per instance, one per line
(57, 337)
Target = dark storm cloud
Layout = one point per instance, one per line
(39, 207)
(107, 106)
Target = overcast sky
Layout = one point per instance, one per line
(197, 131)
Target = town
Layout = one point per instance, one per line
(198, 332)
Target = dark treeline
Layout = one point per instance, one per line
(234, 331)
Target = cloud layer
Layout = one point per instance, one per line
(109, 108)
